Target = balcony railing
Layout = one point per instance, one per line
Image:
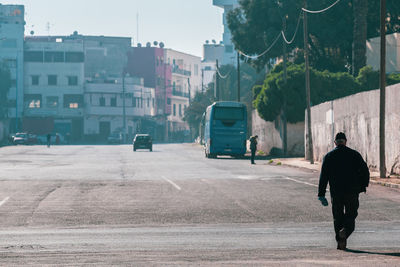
(180, 93)
(176, 69)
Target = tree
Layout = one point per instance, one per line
(360, 10)
(256, 23)
(327, 86)
(5, 85)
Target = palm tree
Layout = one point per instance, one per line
(360, 10)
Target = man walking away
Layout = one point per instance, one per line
(348, 175)
(253, 147)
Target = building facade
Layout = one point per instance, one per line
(186, 82)
(229, 54)
(118, 106)
(12, 27)
(392, 53)
(54, 87)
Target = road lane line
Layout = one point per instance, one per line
(172, 183)
(300, 182)
(4, 201)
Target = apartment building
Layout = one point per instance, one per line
(118, 106)
(186, 81)
(53, 87)
(12, 29)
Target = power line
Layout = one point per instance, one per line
(322, 10)
(263, 53)
(295, 32)
(223, 76)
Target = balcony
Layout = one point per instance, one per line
(177, 70)
(179, 93)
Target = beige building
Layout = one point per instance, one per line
(392, 53)
(186, 81)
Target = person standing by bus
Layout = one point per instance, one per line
(253, 147)
(48, 140)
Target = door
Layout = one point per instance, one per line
(105, 130)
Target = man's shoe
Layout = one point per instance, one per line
(342, 242)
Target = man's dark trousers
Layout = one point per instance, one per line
(344, 209)
(253, 155)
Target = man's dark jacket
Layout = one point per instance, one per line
(346, 172)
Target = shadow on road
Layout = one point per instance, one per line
(394, 254)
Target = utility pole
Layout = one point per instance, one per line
(238, 76)
(202, 80)
(123, 106)
(307, 74)
(284, 121)
(217, 82)
(382, 156)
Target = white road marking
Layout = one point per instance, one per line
(300, 182)
(172, 183)
(4, 201)
(247, 177)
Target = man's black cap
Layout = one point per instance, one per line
(340, 136)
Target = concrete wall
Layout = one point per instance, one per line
(269, 135)
(358, 117)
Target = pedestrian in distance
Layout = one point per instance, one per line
(348, 175)
(253, 148)
(48, 140)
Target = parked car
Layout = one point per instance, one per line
(142, 141)
(24, 139)
(115, 138)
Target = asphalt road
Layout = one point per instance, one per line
(108, 205)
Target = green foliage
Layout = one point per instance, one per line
(368, 79)
(199, 104)
(5, 85)
(277, 96)
(256, 24)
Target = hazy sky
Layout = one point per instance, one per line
(183, 25)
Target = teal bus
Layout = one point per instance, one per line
(225, 129)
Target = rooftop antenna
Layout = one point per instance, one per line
(137, 27)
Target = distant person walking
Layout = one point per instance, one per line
(253, 147)
(48, 140)
(348, 175)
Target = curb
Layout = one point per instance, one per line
(391, 185)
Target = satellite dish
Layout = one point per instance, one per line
(155, 43)
(207, 41)
(32, 32)
(139, 45)
(148, 44)
(162, 45)
(213, 41)
(75, 33)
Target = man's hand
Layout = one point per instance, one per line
(324, 201)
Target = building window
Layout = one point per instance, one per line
(52, 101)
(74, 57)
(33, 101)
(180, 110)
(35, 79)
(168, 101)
(134, 104)
(153, 101)
(72, 80)
(148, 102)
(196, 69)
(73, 101)
(54, 57)
(141, 102)
(113, 102)
(174, 110)
(102, 101)
(52, 80)
(33, 56)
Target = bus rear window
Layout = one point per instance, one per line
(227, 113)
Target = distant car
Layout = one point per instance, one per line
(115, 138)
(142, 141)
(24, 139)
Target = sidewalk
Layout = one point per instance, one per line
(392, 182)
